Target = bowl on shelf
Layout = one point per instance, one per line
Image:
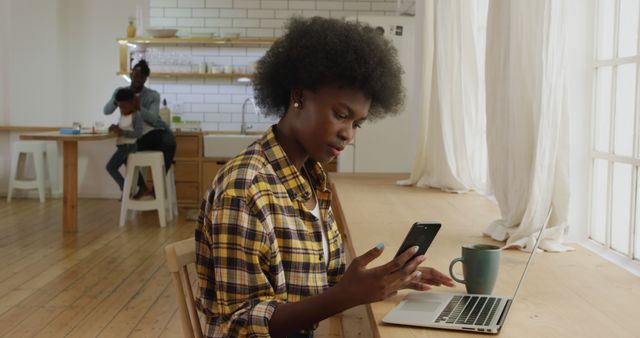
(162, 32)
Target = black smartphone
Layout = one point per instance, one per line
(420, 234)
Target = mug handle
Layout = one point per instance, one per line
(453, 262)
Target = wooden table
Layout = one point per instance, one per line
(575, 294)
(70, 170)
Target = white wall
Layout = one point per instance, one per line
(579, 48)
(5, 22)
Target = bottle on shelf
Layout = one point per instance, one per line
(131, 29)
(165, 113)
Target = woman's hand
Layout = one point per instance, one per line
(428, 277)
(362, 285)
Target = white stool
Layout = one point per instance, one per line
(171, 191)
(37, 150)
(161, 185)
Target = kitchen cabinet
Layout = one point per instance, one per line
(194, 172)
(125, 44)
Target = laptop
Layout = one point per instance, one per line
(462, 312)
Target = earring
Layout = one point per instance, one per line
(296, 104)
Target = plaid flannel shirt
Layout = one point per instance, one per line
(257, 245)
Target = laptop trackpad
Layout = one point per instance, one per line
(420, 306)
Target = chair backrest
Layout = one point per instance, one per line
(179, 255)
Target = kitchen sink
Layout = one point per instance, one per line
(226, 145)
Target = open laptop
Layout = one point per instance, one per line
(464, 312)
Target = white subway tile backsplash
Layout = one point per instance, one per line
(217, 117)
(217, 102)
(240, 98)
(244, 60)
(260, 32)
(272, 23)
(247, 23)
(286, 14)
(191, 3)
(205, 107)
(230, 126)
(219, 4)
(163, 3)
(219, 60)
(261, 13)
(205, 12)
(190, 22)
(177, 12)
(383, 6)
(230, 107)
(162, 22)
(342, 14)
(157, 12)
(231, 89)
(312, 13)
(332, 5)
(192, 116)
(177, 88)
(204, 90)
(233, 51)
(302, 4)
(191, 98)
(246, 3)
(256, 51)
(357, 5)
(217, 98)
(218, 22)
(233, 13)
(274, 4)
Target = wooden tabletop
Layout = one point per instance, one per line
(56, 136)
(27, 129)
(574, 294)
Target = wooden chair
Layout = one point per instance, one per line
(179, 255)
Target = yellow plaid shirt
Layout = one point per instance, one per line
(257, 244)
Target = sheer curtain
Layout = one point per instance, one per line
(527, 129)
(451, 150)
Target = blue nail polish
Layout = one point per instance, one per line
(380, 246)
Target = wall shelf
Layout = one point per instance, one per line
(155, 75)
(125, 43)
(196, 41)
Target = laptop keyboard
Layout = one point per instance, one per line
(469, 310)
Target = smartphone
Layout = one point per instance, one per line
(420, 234)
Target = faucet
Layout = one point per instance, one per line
(243, 125)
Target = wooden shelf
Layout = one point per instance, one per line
(195, 41)
(155, 75)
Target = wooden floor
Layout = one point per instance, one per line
(103, 281)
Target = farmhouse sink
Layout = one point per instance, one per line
(226, 145)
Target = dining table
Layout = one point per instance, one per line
(70, 169)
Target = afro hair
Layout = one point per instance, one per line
(317, 52)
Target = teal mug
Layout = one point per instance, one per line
(480, 263)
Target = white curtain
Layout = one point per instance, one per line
(527, 126)
(451, 150)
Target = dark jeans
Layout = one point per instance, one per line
(118, 159)
(159, 140)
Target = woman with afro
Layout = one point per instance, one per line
(269, 256)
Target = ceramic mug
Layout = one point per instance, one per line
(480, 263)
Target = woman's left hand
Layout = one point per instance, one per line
(428, 277)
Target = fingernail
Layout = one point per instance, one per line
(418, 274)
(380, 246)
(415, 248)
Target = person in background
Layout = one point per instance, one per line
(128, 129)
(156, 133)
(269, 255)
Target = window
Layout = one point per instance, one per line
(615, 178)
